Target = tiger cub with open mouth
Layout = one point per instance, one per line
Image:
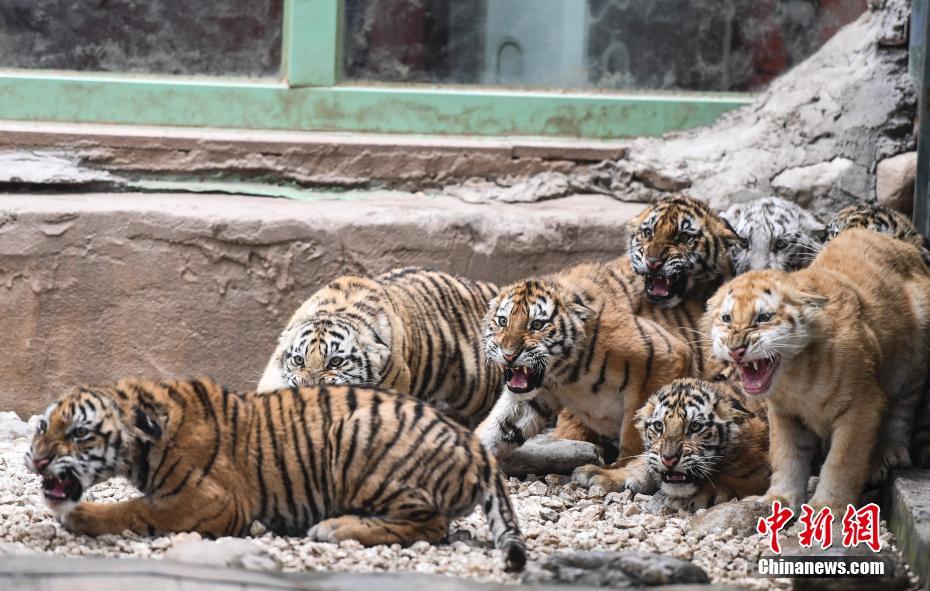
(582, 341)
(703, 445)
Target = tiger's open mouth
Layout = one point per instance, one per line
(64, 488)
(756, 375)
(521, 380)
(677, 477)
(660, 288)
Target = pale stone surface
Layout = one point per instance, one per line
(894, 182)
(910, 518)
(234, 552)
(97, 287)
(739, 516)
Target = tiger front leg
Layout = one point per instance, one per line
(513, 420)
(147, 516)
(792, 447)
(635, 477)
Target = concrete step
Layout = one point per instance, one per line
(910, 519)
(102, 286)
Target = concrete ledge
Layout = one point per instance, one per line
(910, 519)
(48, 573)
(101, 286)
(309, 158)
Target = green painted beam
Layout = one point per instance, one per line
(384, 109)
(312, 42)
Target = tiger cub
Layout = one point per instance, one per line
(780, 234)
(412, 330)
(893, 223)
(578, 340)
(839, 351)
(702, 444)
(330, 462)
(681, 248)
(880, 219)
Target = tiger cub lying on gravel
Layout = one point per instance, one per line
(702, 444)
(578, 340)
(839, 351)
(341, 462)
(412, 330)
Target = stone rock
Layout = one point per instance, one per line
(614, 569)
(43, 168)
(234, 552)
(12, 427)
(894, 182)
(740, 516)
(818, 182)
(545, 454)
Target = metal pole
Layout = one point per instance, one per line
(920, 69)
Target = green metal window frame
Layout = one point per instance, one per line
(312, 96)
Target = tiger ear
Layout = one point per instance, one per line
(739, 413)
(730, 238)
(147, 424)
(579, 308)
(812, 300)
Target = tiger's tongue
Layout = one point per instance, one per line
(518, 378)
(659, 286)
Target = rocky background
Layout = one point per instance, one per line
(835, 130)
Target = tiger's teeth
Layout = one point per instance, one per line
(754, 366)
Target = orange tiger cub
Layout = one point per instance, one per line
(413, 330)
(704, 444)
(574, 340)
(333, 463)
(839, 351)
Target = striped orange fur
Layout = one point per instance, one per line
(412, 330)
(339, 462)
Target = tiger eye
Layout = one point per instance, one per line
(537, 324)
(297, 360)
(502, 321)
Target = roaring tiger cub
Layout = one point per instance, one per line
(579, 340)
(339, 462)
(703, 445)
(880, 219)
(412, 330)
(839, 351)
(681, 247)
(780, 234)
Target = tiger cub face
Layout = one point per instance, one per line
(688, 427)
(332, 349)
(779, 235)
(533, 330)
(879, 219)
(759, 323)
(679, 243)
(82, 440)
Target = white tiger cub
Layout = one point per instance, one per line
(780, 234)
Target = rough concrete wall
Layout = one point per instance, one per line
(815, 136)
(232, 37)
(97, 287)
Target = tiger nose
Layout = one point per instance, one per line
(654, 264)
(737, 354)
(671, 461)
(41, 463)
(512, 356)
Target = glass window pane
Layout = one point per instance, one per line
(723, 45)
(232, 37)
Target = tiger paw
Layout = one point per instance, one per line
(893, 457)
(610, 480)
(82, 518)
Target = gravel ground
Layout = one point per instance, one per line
(555, 516)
